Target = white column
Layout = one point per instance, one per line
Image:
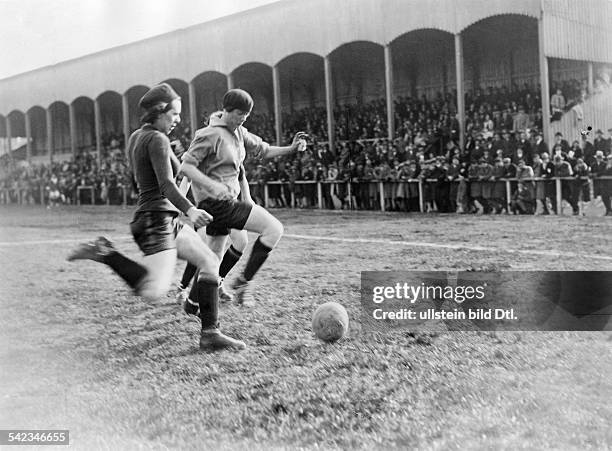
(329, 103)
(545, 89)
(98, 129)
(72, 127)
(9, 134)
(28, 130)
(389, 92)
(460, 88)
(193, 110)
(278, 120)
(49, 133)
(230, 81)
(125, 111)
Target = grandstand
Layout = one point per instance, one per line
(382, 81)
(428, 119)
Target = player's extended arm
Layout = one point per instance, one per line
(278, 151)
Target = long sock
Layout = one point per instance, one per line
(188, 274)
(207, 293)
(193, 293)
(129, 270)
(258, 257)
(230, 258)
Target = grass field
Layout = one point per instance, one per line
(80, 353)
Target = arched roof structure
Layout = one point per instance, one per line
(571, 31)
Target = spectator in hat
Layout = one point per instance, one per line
(560, 141)
(557, 105)
(485, 173)
(540, 186)
(539, 144)
(606, 191)
(587, 150)
(475, 187)
(563, 169)
(580, 188)
(521, 120)
(598, 169)
(498, 196)
(601, 143)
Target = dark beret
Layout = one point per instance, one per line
(157, 95)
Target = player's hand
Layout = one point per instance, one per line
(296, 140)
(199, 218)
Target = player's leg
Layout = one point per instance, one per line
(191, 248)
(189, 273)
(158, 280)
(239, 241)
(270, 231)
(102, 250)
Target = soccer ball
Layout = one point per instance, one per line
(330, 322)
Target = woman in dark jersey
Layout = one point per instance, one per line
(155, 226)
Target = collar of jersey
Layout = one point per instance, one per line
(217, 120)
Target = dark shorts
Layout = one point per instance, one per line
(155, 231)
(227, 214)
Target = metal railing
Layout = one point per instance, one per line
(344, 188)
(350, 196)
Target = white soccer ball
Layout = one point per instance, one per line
(330, 322)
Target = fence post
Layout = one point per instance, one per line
(266, 197)
(320, 195)
(508, 196)
(381, 195)
(293, 197)
(421, 205)
(350, 195)
(42, 195)
(558, 195)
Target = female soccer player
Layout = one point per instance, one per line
(213, 164)
(155, 227)
(239, 240)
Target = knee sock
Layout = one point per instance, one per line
(258, 257)
(230, 258)
(129, 270)
(207, 293)
(193, 293)
(188, 274)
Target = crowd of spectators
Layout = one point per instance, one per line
(503, 140)
(58, 182)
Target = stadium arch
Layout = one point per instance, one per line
(60, 130)
(207, 89)
(108, 116)
(83, 125)
(35, 124)
(256, 78)
(131, 110)
(301, 85)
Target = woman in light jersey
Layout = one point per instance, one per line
(213, 164)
